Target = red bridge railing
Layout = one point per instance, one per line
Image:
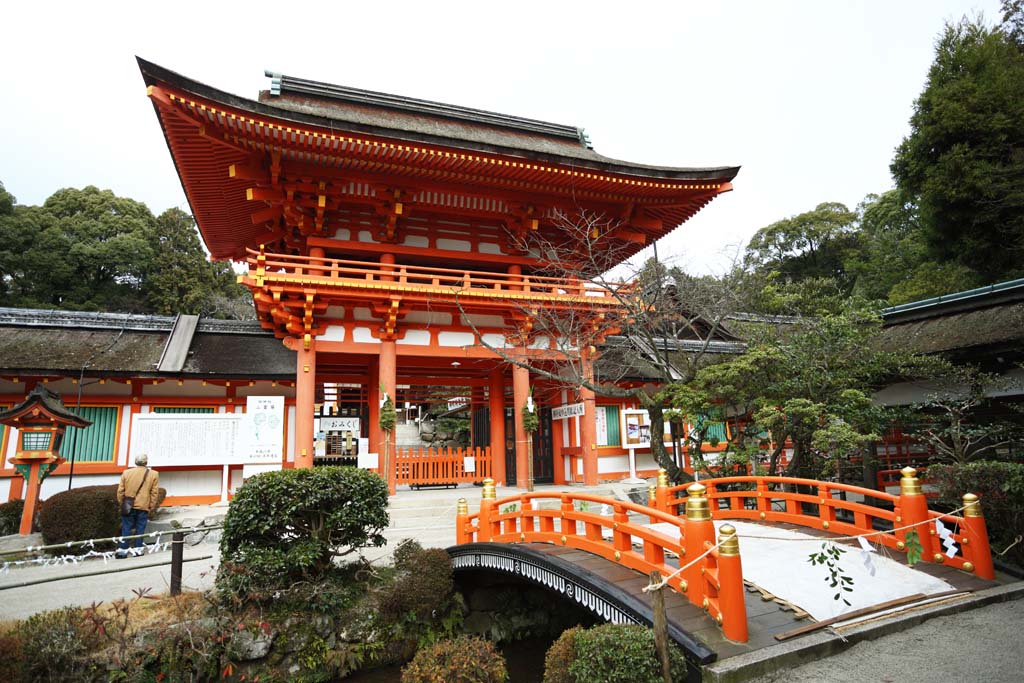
(712, 576)
(826, 506)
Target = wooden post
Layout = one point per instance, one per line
(485, 526)
(520, 392)
(177, 557)
(660, 623)
(28, 513)
(698, 529)
(913, 510)
(387, 369)
(305, 398)
(461, 520)
(661, 494)
(731, 598)
(975, 539)
(496, 408)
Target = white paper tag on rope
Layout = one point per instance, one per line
(864, 545)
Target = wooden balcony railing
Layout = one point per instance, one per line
(301, 272)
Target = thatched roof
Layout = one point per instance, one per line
(63, 342)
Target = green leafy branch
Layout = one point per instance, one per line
(837, 578)
(915, 551)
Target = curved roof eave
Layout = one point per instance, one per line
(153, 74)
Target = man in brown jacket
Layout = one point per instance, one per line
(142, 484)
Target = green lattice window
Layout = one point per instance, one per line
(35, 441)
(611, 436)
(98, 441)
(183, 409)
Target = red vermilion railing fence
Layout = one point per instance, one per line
(713, 579)
(825, 505)
(435, 467)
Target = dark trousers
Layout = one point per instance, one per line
(133, 523)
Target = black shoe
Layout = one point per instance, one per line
(121, 554)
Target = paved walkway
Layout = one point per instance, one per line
(983, 644)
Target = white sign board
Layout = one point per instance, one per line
(340, 425)
(186, 439)
(264, 429)
(566, 411)
(636, 429)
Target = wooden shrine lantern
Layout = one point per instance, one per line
(40, 420)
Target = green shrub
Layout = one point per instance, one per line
(466, 659)
(999, 485)
(59, 645)
(560, 657)
(83, 513)
(423, 587)
(619, 653)
(288, 526)
(78, 514)
(10, 517)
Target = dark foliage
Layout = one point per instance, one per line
(423, 587)
(1000, 486)
(465, 659)
(78, 514)
(10, 516)
(617, 653)
(560, 657)
(288, 527)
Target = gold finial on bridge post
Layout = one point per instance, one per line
(462, 507)
(490, 492)
(728, 543)
(697, 507)
(976, 548)
(910, 485)
(662, 477)
(652, 496)
(462, 535)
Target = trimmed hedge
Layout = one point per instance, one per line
(288, 526)
(83, 513)
(611, 653)
(466, 659)
(10, 517)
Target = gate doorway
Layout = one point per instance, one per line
(543, 456)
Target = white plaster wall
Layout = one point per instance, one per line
(263, 389)
(455, 339)
(416, 241)
(365, 236)
(343, 234)
(52, 485)
(289, 447)
(415, 338)
(362, 313)
(192, 482)
(481, 320)
(121, 457)
(364, 336)
(490, 248)
(428, 318)
(333, 333)
(496, 340)
(613, 463)
(454, 245)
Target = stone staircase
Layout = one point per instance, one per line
(408, 436)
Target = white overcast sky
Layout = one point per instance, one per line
(809, 97)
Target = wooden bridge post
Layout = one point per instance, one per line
(731, 598)
(461, 519)
(485, 527)
(652, 496)
(697, 529)
(975, 539)
(913, 510)
(661, 502)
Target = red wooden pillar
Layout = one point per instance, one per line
(373, 414)
(496, 408)
(387, 373)
(588, 427)
(520, 392)
(305, 398)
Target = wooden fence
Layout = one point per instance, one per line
(441, 466)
